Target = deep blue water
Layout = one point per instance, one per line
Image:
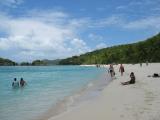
(46, 85)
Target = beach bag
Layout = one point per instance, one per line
(155, 75)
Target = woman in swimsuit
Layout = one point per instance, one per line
(132, 81)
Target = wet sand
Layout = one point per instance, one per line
(140, 101)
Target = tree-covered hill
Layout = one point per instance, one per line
(45, 62)
(51, 62)
(7, 62)
(148, 50)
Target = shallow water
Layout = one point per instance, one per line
(46, 86)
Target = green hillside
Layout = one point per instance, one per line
(51, 62)
(6, 62)
(45, 62)
(148, 50)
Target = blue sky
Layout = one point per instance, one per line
(51, 29)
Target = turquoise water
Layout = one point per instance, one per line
(45, 87)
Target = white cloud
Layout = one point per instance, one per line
(113, 20)
(4, 44)
(146, 23)
(79, 45)
(55, 34)
(150, 22)
(140, 3)
(121, 7)
(48, 16)
(135, 3)
(95, 37)
(11, 3)
(101, 45)
(35, 37)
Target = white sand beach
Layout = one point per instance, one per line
(139, 101)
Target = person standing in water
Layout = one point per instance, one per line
(22, 82)
(121, 69)
(15, 83)
(111, 70)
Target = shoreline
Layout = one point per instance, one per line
(87, 93)
(139, 101)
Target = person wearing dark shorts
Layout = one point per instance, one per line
(132, 81)
(111, 70)
(121, 69)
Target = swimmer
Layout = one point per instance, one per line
(22, 82)
(15, 83)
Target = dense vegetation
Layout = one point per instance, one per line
(51, 62)
(25, 64)
(34, 63)
(41, 63)
(148, 50)
(38, 63)
(7, 62)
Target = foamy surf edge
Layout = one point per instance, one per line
(88, 92)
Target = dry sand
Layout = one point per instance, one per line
(140, 101)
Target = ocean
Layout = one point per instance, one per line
(49, 90)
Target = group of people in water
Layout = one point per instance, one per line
(17, 84)
(121, 70)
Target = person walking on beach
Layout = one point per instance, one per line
(15, 83)
(121, 69)
(146, 63)
(141, 64)
(22, 82)
(111, 70)
(132, 81)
